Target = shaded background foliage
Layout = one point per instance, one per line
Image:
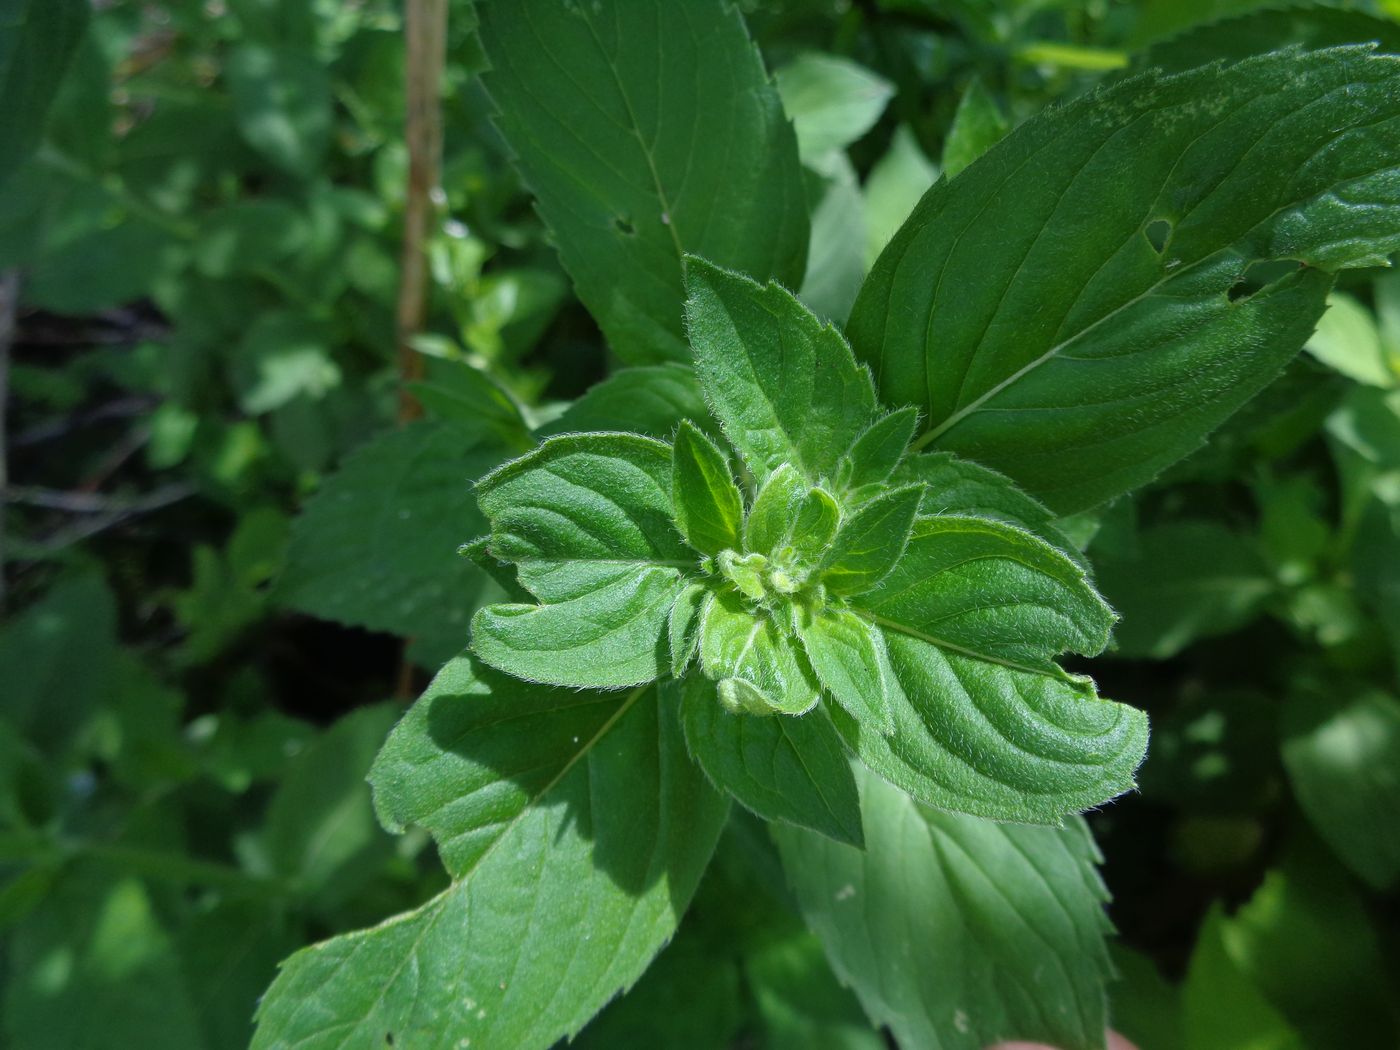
(226, 566)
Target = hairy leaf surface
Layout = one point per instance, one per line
(569, 875)
(979, 737)
(1074, 312)
(784, 386)
(646, 130)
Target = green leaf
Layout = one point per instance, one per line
(784, 387)
(771, 516)
(848, 654)
(1343, 760)
(978, 125)
(987, 589)
(376, 547)
(1187, 580)
(283, 104)
(876, 453)
(584, 510)
(814, 524)
(610, 636)
(744, 645)
(37, 40)
(958, 487)
(836, 263)
(871, 541)
(649, 400)
(983, 738)
(832, 101)
(708, 507)
(615, 112)
(1102, 325)
(683, 630)
(573, 853)
(1223, 1008)
(792, 770)
(1222, 37)
(956, 932)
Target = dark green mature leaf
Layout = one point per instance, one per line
(1187, 580)
(646, 130)
(37, 40)
(784, 386)
(1282, 23)
(987, 589)
(957, 932)
(709, 509)
(377, 545)
(792, 770)
(1088, 337)
(979, 737)
(870, 542)
(1223, 1008)
(576, 829)
(1344, 763)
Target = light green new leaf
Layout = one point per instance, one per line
(611, 636)
(743, 645)
(978, 737)
(892, 188)
(377, 545)
(1348, 340)
(1078, 315)
(576, 829)
(1343, 761)
(683, 627)
(816, 519)
(977, 126)
(770, 518)
(708, 507)
(871, 541)
(876, 453)
(832, 101)
(784, 386)
(848, 654)
(792, 770)
(956, 932)
(988, 589)
(646, 129)
(583, 510)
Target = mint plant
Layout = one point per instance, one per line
(763, 437)
(837, 602)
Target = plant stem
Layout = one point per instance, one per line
(425, 39)
(425, 30)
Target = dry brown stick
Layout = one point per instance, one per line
(9, 311)
(425, 33)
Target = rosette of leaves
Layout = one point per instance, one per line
(820, 590)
